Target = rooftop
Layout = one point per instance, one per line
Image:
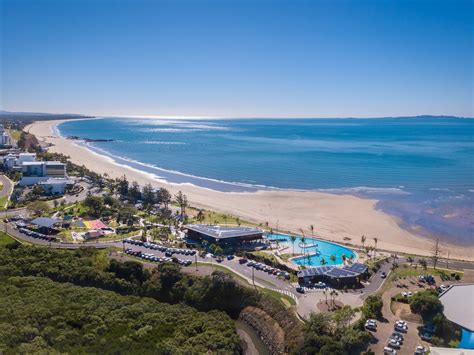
(351, 270)
(458, 302)
(43, 163)
(56, 181)
(45, 222)
(223, 232)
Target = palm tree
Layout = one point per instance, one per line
(343, 257)
(303, 240)
(362, 239)
(323, 262)
(375, 247)
(311, 228)
(333, 258)
(293, 240)
(238, 221)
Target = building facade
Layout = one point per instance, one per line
(35, 172)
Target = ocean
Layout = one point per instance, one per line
(420, 169)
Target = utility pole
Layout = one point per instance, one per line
(196, 260)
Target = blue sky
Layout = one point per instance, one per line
(257, 58)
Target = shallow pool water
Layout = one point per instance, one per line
(318, 252)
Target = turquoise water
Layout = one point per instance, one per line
(315, 250)
(421, 169)
(467, 339)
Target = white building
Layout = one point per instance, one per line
(55, 186)
(4, 137)
(15, 161)
(34, 172)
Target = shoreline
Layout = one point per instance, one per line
(335, 216)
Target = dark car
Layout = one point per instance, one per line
(229, 257)
(300, 289)
(383, 275)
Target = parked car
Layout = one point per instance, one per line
(371, 325)
(299, 289)
(242, 261)
(229, 257)
(401, 328)
(426, 336)
(387, 350)
(419, 350)
(393, 344)
(398, 336)
(383, 275)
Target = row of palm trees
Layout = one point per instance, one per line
(364, 238)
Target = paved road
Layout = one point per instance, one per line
(7, 186)
(261, 278)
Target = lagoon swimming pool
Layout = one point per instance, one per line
(317, 250)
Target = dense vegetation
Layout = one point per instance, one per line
(49, 270)
(41, 315)
(332, 334)
(426, 303)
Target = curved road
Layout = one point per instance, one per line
(7, 188)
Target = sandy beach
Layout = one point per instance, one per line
(335, 217)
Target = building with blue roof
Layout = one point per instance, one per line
(347, 275)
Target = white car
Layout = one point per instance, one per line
(370, 325)
(419, 350)
(387, 350)
(393, 343)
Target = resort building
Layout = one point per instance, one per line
(347, 275)
(458, 302)
(55, 186)
(34, 172)
(15, 161)
(223, 235)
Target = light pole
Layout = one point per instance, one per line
(196, 260)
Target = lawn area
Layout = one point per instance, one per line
(5, 239)
(15, 134)
(3, 201)
(211, 217)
